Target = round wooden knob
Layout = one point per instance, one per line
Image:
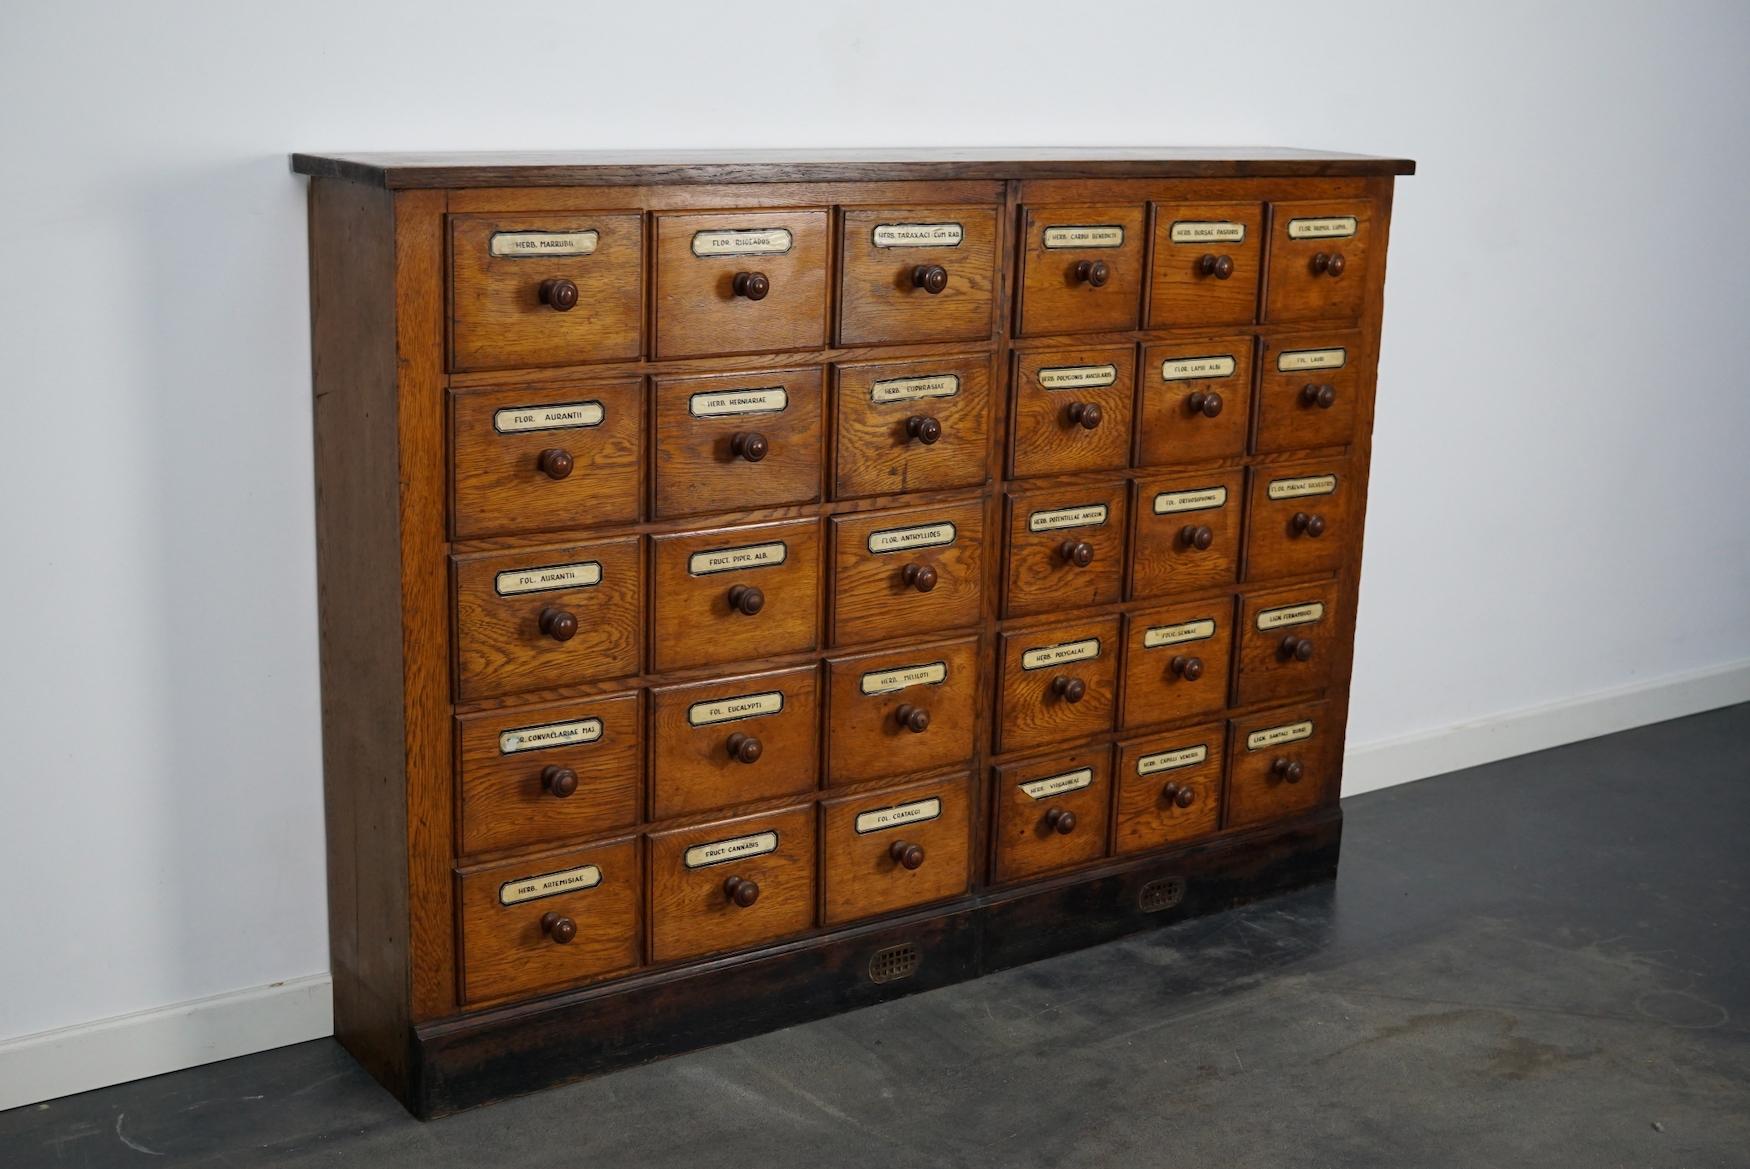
(1324, 397)
(913, 718)
(746, 599)
(1204, 402)
(1328, 263)
(1086, 415)
(1287, 769)
(1301, 523)
(741, 891)
(1187, 667)
(1069, 689)
(559, 781)
(1093, 273)
(744, 748)
(920, 577)
(932, 278)
(750, 445)
(555, 463)
(923, 428)
(1184, 797)
(1220, 267)
(1298, 648)
(1197, 536)
(1061, 821)
(1077, 552)
(560, 929)
(752, 285)
(559, 294)
(558, 624)
(906, 855)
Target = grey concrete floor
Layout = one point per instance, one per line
(1539, 962)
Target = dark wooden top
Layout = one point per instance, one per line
(621, 168)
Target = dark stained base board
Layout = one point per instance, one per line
(463, 1063)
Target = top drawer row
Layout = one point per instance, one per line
(564, 289)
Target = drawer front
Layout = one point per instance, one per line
(731, 884)
(907, 573)
(1072, 410)
(1281, 763)
(917, 274)
(900, 712)
(1319, 253)
(543, 922)
(1176, 661)
(529, 290)
(534, 775)
(1287, 643)
(740, 282)
(1052, 813)
(891, 850)
(742, 440)
(729, 594)
(1207, 260)
(1196, 401)
(1066, 549)
(1309, 390)
(1058, 683)
(545, 457)
(718, 743)
(1297, 519)
(1169, 788)
(1187, 534)
(1081, 269)
(912, 425)
(538, 618)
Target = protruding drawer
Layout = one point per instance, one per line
(1297, 519)
(1287, 642)
(919, 425)
(731, 741)
(1318, 260)
(740, 282)
(729, 594)
(547, 921)
(1207, 260)
(913, 274)
(1169, 788)
(1072, 410)
(1082, 269)
(1176, 661)
(1187, 533)
(737, 441)
(531, 290)
(1281, 763)
(1059, 683)
(1196, 401)
(1309, 391)
(543, 617)
(1066, 548)
(893, 849)
(538, 458)
(900, 712)
(533, 775)
(731, 884)
(915, 573)
(1052, 813)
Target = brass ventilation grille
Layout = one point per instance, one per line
(1160, 893)
(894, 963)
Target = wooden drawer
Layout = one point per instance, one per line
(1081, 269)
(731, 884)
(1052, 813)
(919, 425)
(1207, 260)
(530, 290)
(1072, 410)
(1297, 519)
(542, 457)
(891, 850)
(1187, 534)
(1281, 763)
(1058, 683)
(1196, 401)
(738, 441)
(917, 274)
(1319, 253)
(915, 573)
(730, 594)
(1287, 643)
(1176, 661)
(734, 740)
(542, 922)
(542, 617)
(1309, 390)
(900, 712)
(534, 775)
(1066, 548)
(740, 282)
(1169, 788)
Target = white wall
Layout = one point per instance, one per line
(1559, 495)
